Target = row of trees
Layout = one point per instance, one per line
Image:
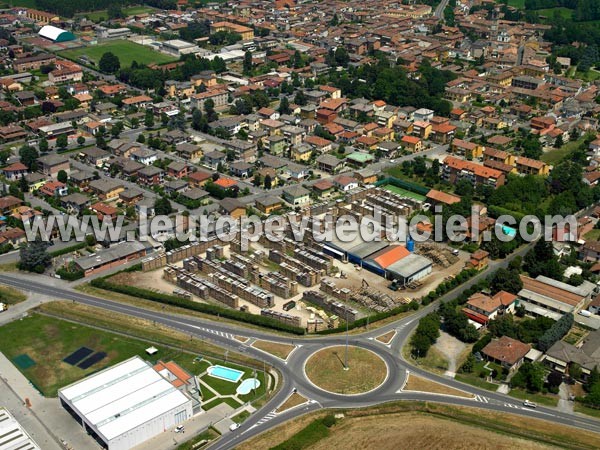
(425, 335)
(556, 332)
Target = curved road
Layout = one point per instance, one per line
(292, 370)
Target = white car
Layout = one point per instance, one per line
(529, 404)
(179, 429)
(234, 426)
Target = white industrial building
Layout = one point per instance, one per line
(126, 404)
(12, 434)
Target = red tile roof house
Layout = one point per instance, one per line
(507, 352)
(199, 178)
(15, 171)
(482, 308)
(103, 210)
(54, 189)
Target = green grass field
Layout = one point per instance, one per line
(556, 155)
(546, 400)
(403, 192)
(520, 4)
(48, 340)
(564, 13)
(97, 16)
(126, 51)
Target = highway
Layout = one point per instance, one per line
(292, 370)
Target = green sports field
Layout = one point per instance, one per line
(403, 192)
(126, 51)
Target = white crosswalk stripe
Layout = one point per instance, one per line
(482, 399)
(218, 333)
(510, 405)
(266, 418)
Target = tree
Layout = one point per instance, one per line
(43, 145)
(141, 138)
(284, 106)
(268, 181)
(149, 119)
(62, 141)
(28, 156)
(558, 143)
(162, 207)
(80, 140)
(34, 257)
(506, 280)
(247, 65)
(62, 176)
(109, 63)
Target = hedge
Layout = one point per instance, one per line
(72, 248)
(447, 286)
(372, 318)
(167, 299)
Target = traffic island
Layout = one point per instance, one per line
(365, 371)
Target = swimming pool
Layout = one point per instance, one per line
(225, 373)
(247, 386)
(509, 231)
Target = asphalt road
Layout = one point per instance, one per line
(292, 370)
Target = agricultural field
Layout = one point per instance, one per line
(432, 426)
(126, 51)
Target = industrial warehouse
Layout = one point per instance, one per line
(394, 262)
(126, 404)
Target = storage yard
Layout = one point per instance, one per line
(310, 284)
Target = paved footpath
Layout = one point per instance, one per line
(46, 421)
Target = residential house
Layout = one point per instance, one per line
(8, 204)
(412, 143)
(106, 189)
(241, 169)
(178, 170)
(301, 152)
(104, 211)
(454, 169)
(189, 152)
(345, 183)
(15, 171)
(323, 188)
(150, 176)
(296, 195)
(51, 164)
(528, 166)
(232, 207)
(199, 178)
(507, 352)
(482, 308)
(144, 156)
(54, 189)
(268, 204)
(75, 203)
(466, 149)
(214, 158)
(479, 260)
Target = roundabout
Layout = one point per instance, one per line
(326, 370)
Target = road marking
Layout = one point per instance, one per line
(482, 399)
(265, 419)
(510, 405)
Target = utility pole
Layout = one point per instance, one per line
(346, 353)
